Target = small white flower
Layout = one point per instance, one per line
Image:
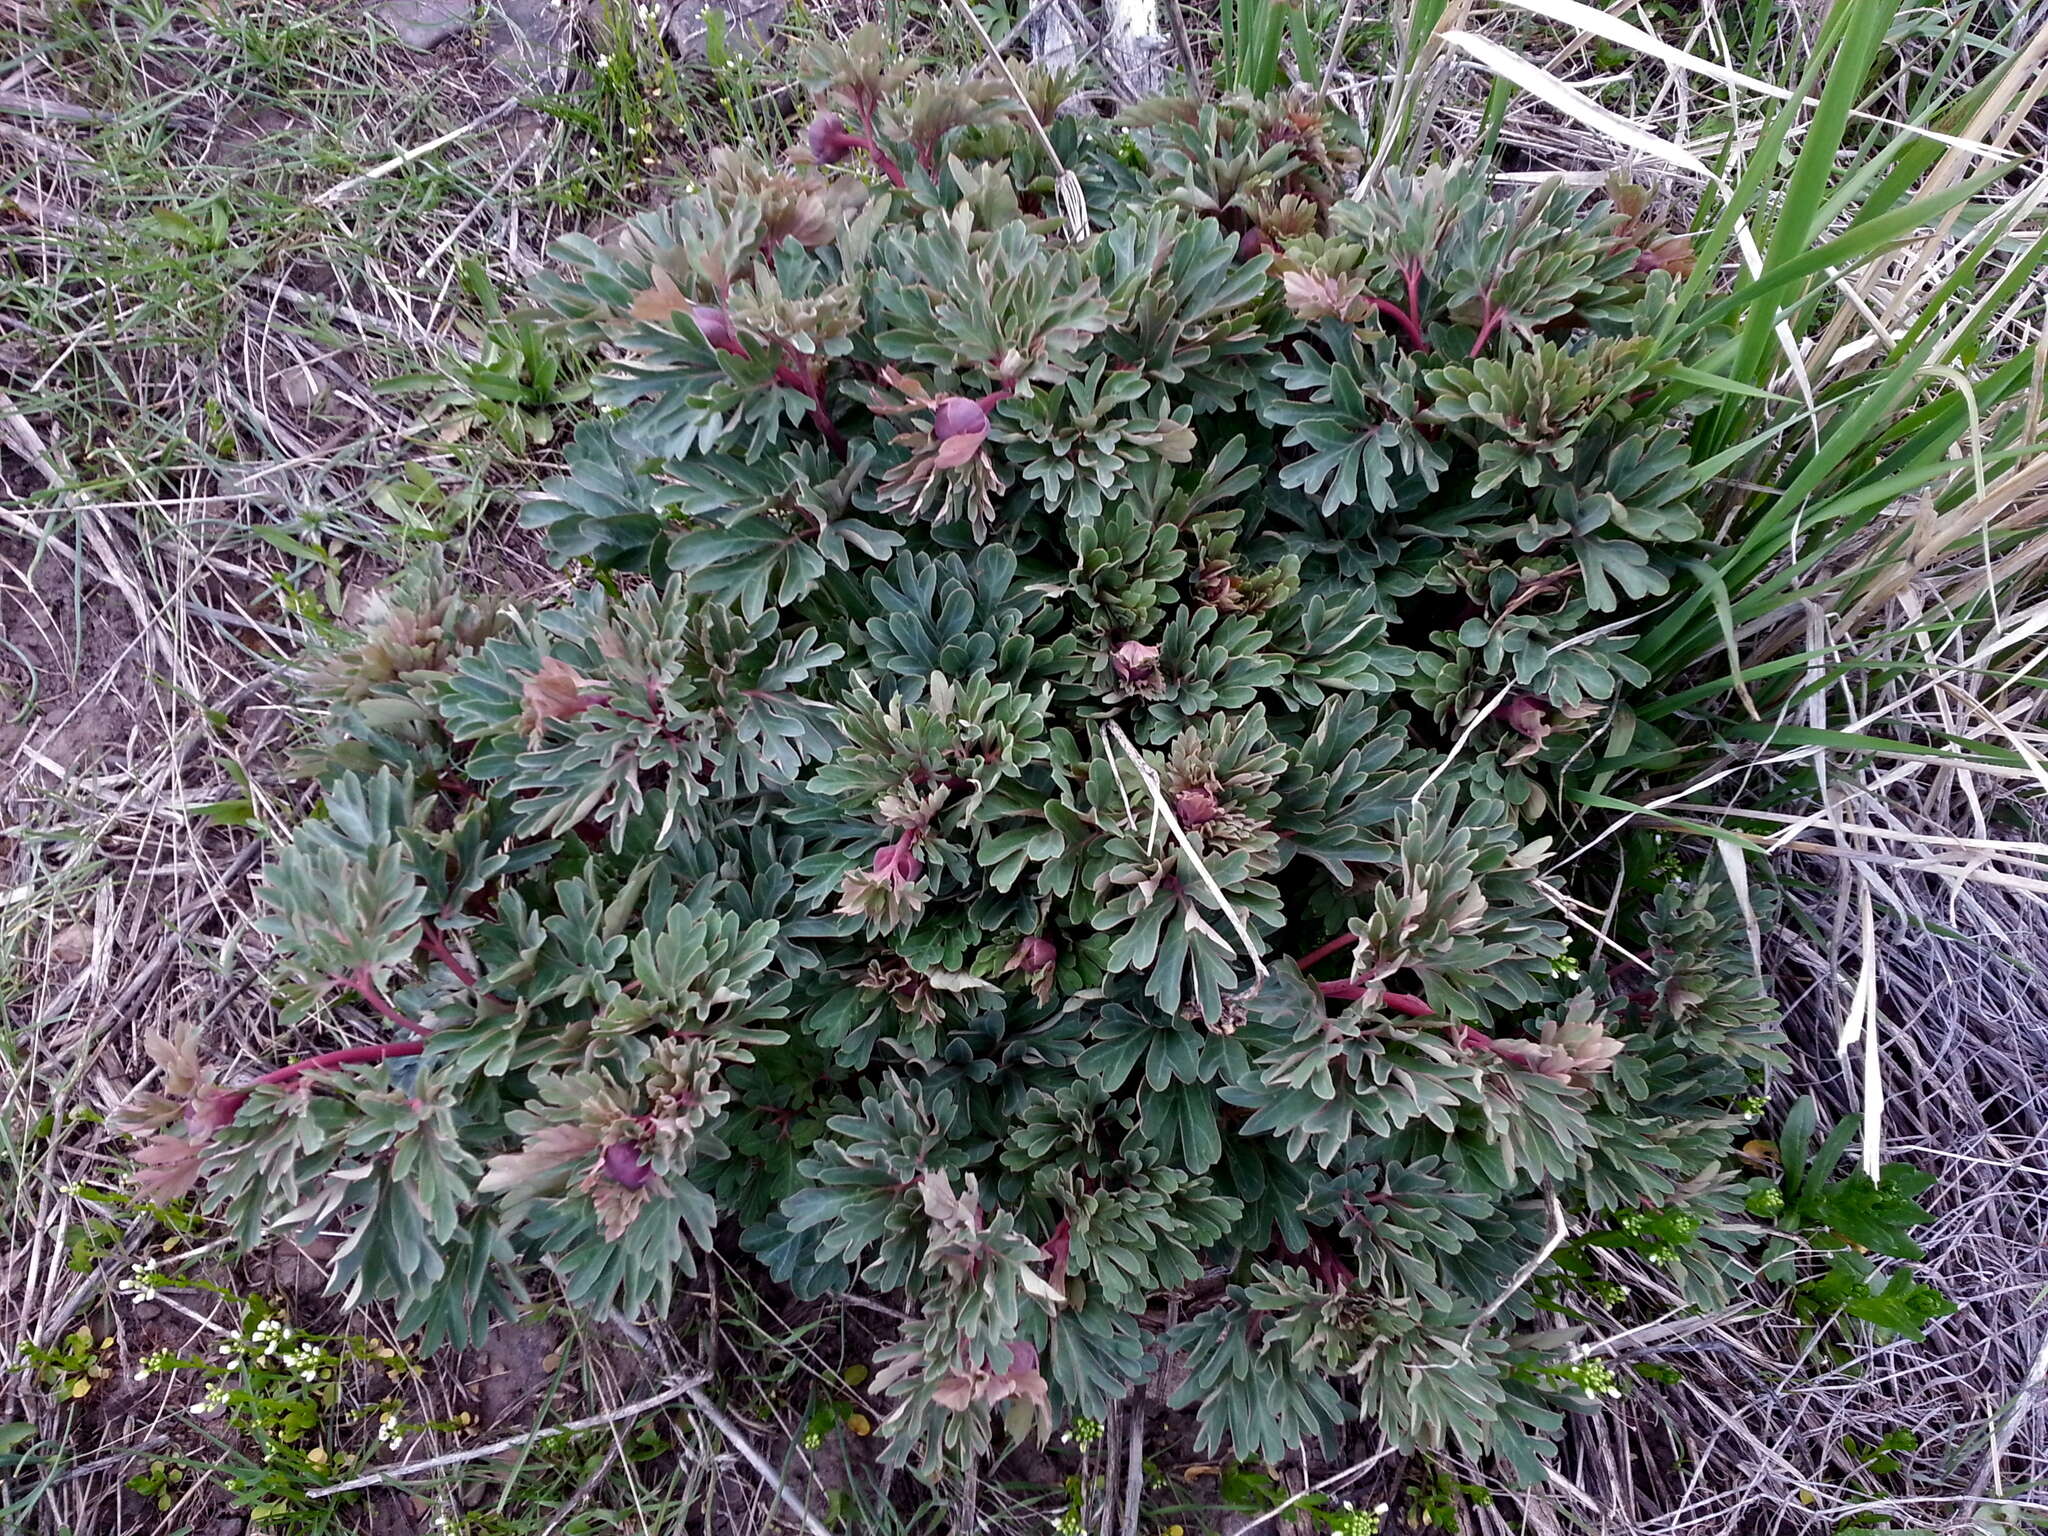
(141, 1376)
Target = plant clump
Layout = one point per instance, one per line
(1041, 811)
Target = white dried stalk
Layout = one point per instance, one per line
(1133, 48)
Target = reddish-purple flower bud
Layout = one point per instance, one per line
(1250, 243)
(624, 1166)
(716, 328)
(956, 415)
(898, 862)
(1527, 713)
(1195, 807)
(828, 138)
(961, 426)
(1135, 662)
(1033, 955)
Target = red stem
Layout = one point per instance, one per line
(875, 152)
(1324, 951)
(348, 1056)
(1493, 319)
(834, 438)
(438, 948)
(805, 385)
(362, 983)
(1413, 272)
(1352, 991)
(1402, 318)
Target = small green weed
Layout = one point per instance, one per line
(1846, 1219)
(1432, 1502)
(1882, 1456)
(72, 1366)
(511, 389)
(289, 1409)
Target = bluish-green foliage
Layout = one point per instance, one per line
(1003, 653)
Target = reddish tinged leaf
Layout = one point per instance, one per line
(1324, 295)
(540, 1161)
(898, 862)
(1135, 662)
(660, 300)
(1033, 955)
(956, 451)
(166, 1167)
(554, 692)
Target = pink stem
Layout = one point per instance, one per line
(834, 438)
(349, 1056)
(1323, 952)
(1493, 319)
(820, 417)
(875, 152)
(438, 948)
(1402, 318)
(363, 984)
(1352, 991)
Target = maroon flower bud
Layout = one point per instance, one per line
(898, 862)
(715, 326)
(1033, 955)
(961, 426)
(1526, 713)
(1135, 662)
(1195, 807)
(624, 1166)
(1250, 243)
(957, 414)
(828, 138)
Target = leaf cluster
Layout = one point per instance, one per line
(1006, 651)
